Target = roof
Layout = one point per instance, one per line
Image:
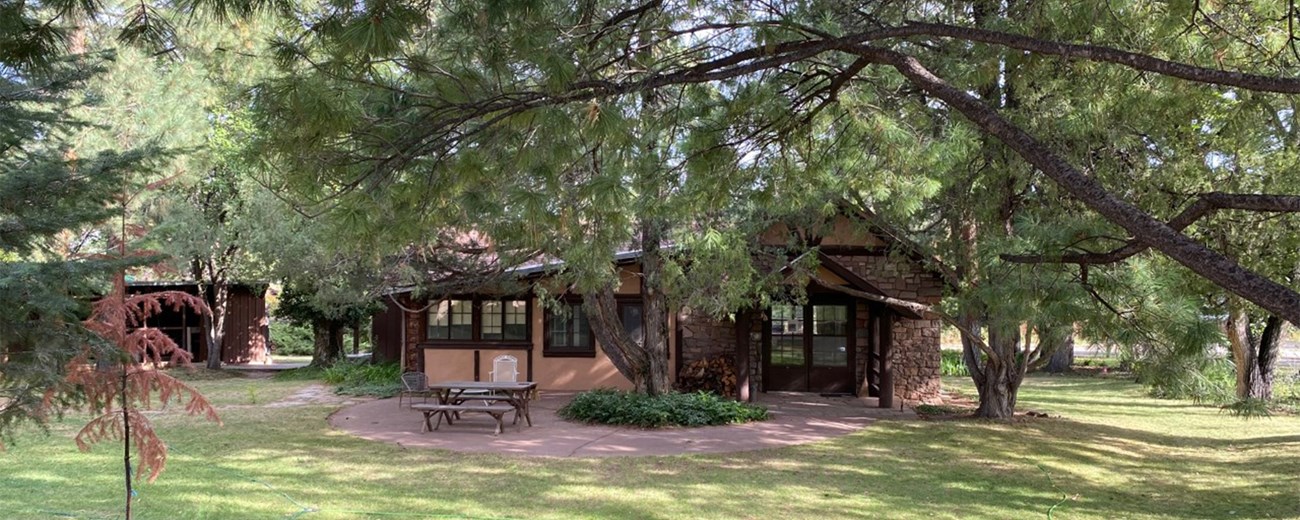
(188, 283)
(541, 267)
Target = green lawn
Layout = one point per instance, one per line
(1112, 454)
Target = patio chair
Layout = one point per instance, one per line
(505, 369)
(413, 384)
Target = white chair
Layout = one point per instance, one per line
(505, 369)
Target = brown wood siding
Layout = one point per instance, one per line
(386, 333)
(247, 327)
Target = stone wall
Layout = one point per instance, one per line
(896, 276)
(915, 348)
(705, 337)
(916, 360)
(862, 315)
(916, 342)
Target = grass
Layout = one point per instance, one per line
(1107, 452)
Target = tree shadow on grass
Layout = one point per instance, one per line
(272, 465)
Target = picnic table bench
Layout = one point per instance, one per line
(497, 411)
(456, 397)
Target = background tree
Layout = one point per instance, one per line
(376, 112)
(45, 191)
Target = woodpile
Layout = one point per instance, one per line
(712, 374)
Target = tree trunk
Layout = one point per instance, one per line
(214, 322)
(356, 338)
(1269, 347)
(655, 305)
(628, 355)
(1241, 345)
(220, 312)
(1002, 374)
(1254, 358)
(327, 339)
(1055, 349)
(1063, 358)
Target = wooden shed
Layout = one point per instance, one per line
(247, 330)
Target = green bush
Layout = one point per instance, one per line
(608, 406)
(1196, 377)
(1286, 391)
(364, 378)
(950, 363)
(290, 340)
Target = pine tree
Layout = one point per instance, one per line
(57, 349)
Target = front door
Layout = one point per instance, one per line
(809, 348)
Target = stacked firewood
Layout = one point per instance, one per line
(709, 374)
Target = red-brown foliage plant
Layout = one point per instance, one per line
(116, 389)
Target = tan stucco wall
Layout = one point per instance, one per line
(629, 278)
(449, 365)
(550, 373)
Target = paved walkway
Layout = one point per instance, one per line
(795, 419)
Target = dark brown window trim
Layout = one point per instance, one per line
(475, 345)
(476, 323)
(850, 250)
(566, 352)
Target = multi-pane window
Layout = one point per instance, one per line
(451, 319)
(830, 335)
(787, 335)
(504, 320)
(567, 331)
(632, 315)
(486, 320)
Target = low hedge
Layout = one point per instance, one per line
(616, 407)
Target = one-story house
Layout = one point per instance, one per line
(834, 343)
(247, 330)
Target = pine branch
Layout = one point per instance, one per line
(1204, 205)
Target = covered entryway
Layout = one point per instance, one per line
(810, 348)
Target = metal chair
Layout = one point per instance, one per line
(505, 369)
(413, 384)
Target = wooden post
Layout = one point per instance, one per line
(356, 338)
(886, 359)
(744, 321)
(869, 382)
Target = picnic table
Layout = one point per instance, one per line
(455, 397)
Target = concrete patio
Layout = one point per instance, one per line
(794, 419)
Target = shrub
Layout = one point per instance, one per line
(940, 410)
(1196, 377)
(608, 406)
(299, 374)
(1286, 392)
(950, 363)
(364, 378)
(288, 339)
(1248, 408)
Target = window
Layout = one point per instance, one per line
(504, 320)
(633, 316)
(830, 335)
(787, 335)
(568, 333)
(809, 335)
(478, 320)
(451, 319)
